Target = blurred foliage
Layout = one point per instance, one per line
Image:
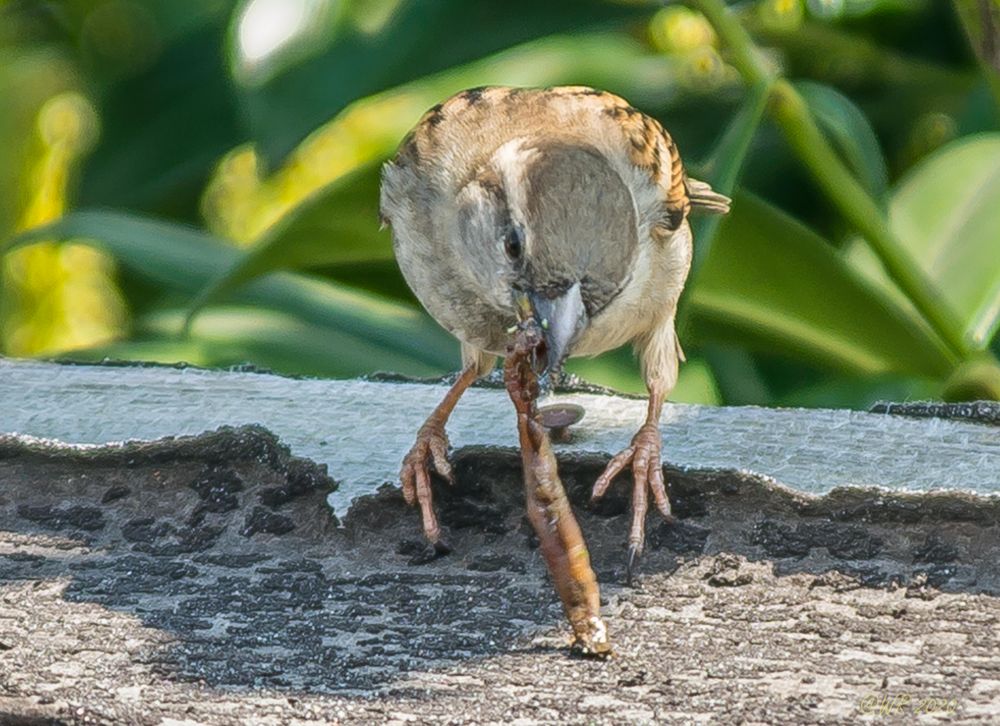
(197, 181)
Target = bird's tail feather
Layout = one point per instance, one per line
(706, 199)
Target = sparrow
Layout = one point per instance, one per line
(566, 202)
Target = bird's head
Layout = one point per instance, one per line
(558, 227)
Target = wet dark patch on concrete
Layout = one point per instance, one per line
(217, 487)
(845, 542)
(935, 549)
(680, 537)
(883, 535)
(116, 492)
(89, 519)
(261, 520)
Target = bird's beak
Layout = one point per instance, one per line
(561, 319)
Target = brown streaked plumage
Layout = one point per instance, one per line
(569, 201)
(649, 143)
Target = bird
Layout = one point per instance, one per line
(564, 201)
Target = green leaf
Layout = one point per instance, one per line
(231, 335)
(771, 283)
(946, 213)
(737, 376)
(696, 383)
(338, 224)
(861, 392)
(976, 379)
(414, 39)
(164, 129)
(851, 133)
(723, 167)
(617, 369)
(28, 78)
(180, 258)
(172, 256)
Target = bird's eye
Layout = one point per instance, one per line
(513, 243)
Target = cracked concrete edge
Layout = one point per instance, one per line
(255, 442)
(984, 412)
(247, 441)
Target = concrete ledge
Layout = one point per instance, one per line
(362, 429)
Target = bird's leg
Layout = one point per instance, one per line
(647, 476)
(431, 447)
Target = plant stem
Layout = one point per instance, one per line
(741, 45)
(981, 20)
(792, 115)
(862, 62)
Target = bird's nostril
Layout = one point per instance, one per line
(541, 358)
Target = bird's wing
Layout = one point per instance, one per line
(651, 148)
(642, 150)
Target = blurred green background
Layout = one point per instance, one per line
(197, 181)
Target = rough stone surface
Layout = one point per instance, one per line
(202, 581)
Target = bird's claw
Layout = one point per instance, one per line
(647, 477)
(430, 448)
(631, 564)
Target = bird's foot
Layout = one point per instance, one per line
(430, 448)
(647, 476)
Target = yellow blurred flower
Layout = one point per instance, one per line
(678, 29)
(781, 15)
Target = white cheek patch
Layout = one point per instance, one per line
(511, 159)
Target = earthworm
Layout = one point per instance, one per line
(549, 512)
